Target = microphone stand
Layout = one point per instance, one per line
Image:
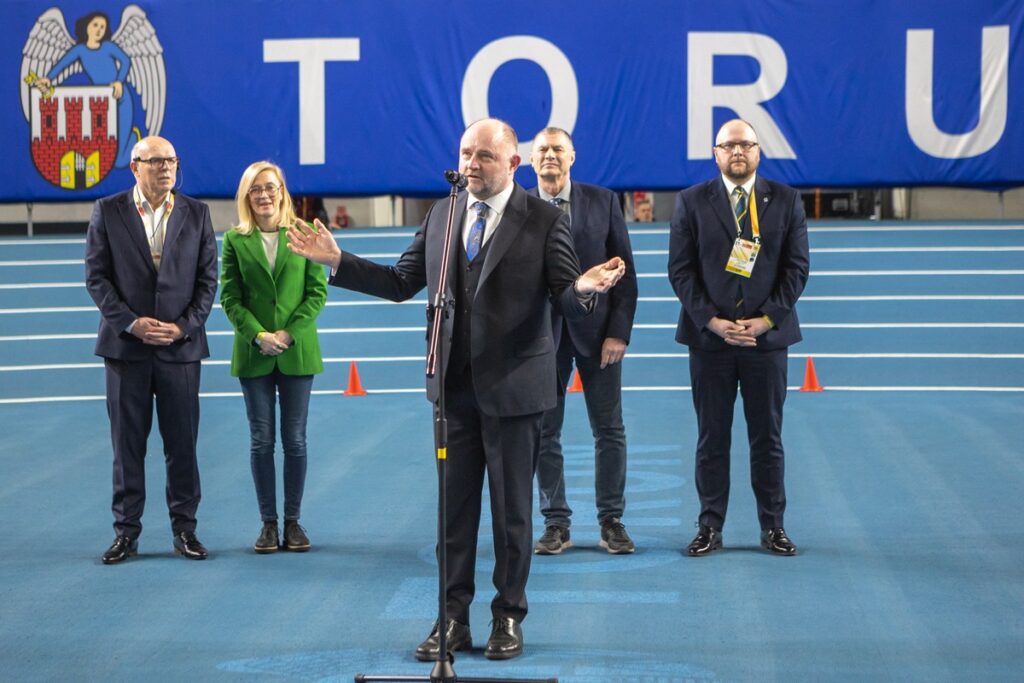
(439, 310)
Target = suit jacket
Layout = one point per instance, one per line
(125, 285)
(598, 234)
(702, 233)
(256, 300)
(529, 265)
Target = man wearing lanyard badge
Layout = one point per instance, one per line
(738, 261)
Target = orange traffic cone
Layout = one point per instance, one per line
(355, 387)
(576, 387)
(811, 378)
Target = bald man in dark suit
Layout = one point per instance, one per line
(151, 268)
(511, 259)
(738, 261)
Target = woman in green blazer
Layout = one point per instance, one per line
(272, 298)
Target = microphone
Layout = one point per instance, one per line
(456, 178)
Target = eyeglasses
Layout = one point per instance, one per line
(270, 190)
(745, 145)
(159, 162)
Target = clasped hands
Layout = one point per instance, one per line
(273, 343)
(740, 333)
(155, 332)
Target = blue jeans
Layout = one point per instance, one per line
(293, 392)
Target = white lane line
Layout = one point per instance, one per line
(886, 273)
(862, 250)
(370, 234)
(901, 356)
(84, 309)
(664, 276)
(48, 262)
(865, 326)
(642, 299)
(636, 252)
(639, 326)
(339, 392)
(879, 297)
(629, 356)
(876, 228)
(44, 285)
(42, 241)
(883, 273)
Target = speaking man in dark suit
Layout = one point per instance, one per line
(738, 261)
(151, 268)
(596, 343)
(512, 258)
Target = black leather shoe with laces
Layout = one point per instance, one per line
(120, 550)
(506, 639)
(457, 637)
(187, 545)
(553, 542)
(295, 538)
(776, 541)
(707, 539)
(268, 542)
(614, 538)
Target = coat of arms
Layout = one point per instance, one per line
(90, 96)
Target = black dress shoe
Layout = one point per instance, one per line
(186, 544)
(506, 639)
(268, 541)
(776, 541)
(707, 539)
(457, 637)
(120, 550)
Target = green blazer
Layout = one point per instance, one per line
(256, 300)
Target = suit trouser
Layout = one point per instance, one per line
(761, 377)
(131, 387)
(602, 391)
(506, 449)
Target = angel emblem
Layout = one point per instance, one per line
(130, 61)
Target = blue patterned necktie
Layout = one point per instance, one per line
(476, 233)
(563, 205)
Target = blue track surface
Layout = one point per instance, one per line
(903, 477)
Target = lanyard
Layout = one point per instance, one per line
(157, 238)
(755, 226)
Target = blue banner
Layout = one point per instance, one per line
(370, 96)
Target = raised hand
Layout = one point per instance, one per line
(601, 277)
(316, 243)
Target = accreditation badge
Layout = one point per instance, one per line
(743, 256)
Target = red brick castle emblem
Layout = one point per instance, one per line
(74, 135)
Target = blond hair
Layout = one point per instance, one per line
(285, 210)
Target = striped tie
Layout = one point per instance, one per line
(741, 205)
(740, 210)
(476, 233)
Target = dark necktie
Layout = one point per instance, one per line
(741, 207)
(741, 212)
(563, 205)
(476, 233)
